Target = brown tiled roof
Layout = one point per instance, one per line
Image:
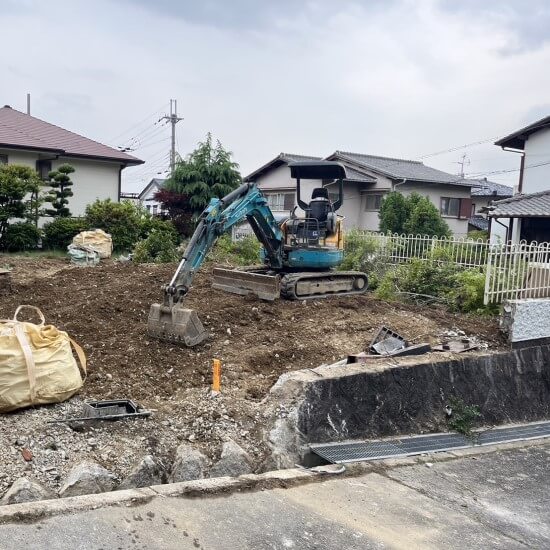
(24, 131)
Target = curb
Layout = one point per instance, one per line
(37, 510)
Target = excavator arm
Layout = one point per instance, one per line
(170, 320)
(245, 202)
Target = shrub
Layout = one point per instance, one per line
(478, 234)
(21, 236)
(150, 223)
(461, 289)
(159, 247)
(468, 291)
(417, 277)
(242, 252)
(59, 233)
(121, 219)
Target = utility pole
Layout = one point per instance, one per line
(173, 119)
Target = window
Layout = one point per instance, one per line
(450, 207)
(155, 209)
(456, 208)
(43, 167)
(148, 206)
(3, 159)
(280, 201)
(372, 202)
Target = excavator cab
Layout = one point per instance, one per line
(319, 229)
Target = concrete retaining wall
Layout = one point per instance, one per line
(339, 402)
(526, 320)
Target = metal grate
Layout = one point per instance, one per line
(359, 451)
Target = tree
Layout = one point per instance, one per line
(425, 219)
(413, 214)
(179, 210)
(393, 213)
(61, 183)
(206, 173)
(16, 182)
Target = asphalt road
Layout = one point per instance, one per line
(497, 500)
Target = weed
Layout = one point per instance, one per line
(463, 416)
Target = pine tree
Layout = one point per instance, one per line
(206, 173)
(60, 183)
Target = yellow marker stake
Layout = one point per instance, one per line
(217, 376)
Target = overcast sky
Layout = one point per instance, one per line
(401, 78)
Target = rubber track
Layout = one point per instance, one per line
(289, 282)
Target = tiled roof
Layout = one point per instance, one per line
(395, 168)
(24, 131)
(485, 188)
(516, 140)
(532, 205)
(479, 222)
(282, 158)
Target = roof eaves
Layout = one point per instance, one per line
(517, 137)
(32, 148)
(130, 160)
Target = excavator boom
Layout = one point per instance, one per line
(171, 321)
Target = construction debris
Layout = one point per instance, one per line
(388, 343)
(459, 345)
(114, 409)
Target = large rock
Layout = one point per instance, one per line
(87, 478)
(190, 464)
(26, 490)
(234, 461)
(148, 471)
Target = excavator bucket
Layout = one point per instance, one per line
(266, 287)
(175, 324)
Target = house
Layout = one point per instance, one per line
(528, 213)
(369, 178)
(533, 144)
(147, 196)
(29, 141)
(484, 193)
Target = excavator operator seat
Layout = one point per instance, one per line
(319, 206)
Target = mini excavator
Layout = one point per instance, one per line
(299, 254)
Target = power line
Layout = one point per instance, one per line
(138, 123)
(509, 170)
(458, 147)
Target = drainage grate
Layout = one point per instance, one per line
(358, 451)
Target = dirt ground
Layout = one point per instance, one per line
(105, 309)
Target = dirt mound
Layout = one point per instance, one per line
(105, 309)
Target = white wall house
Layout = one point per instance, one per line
(147, 196)
(29, 141)
(369, 179)
(533, 144)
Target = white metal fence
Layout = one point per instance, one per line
(395, 249)
(520, 270)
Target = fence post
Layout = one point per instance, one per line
(488, 273)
